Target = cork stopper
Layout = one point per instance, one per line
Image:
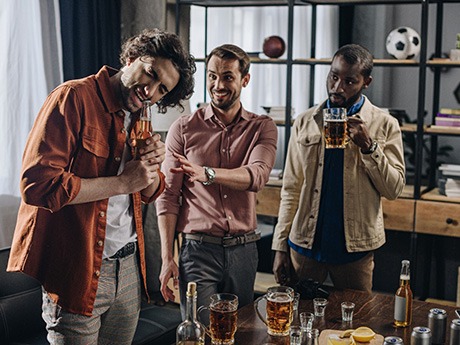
(191, 289)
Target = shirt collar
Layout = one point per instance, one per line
(242, 114)
(355, 108)
(111, 101)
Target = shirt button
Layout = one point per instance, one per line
(101, 214)
(316, 191)
(223, 150)
(312, 216)
(229, 217)
(123, 130)
(225, 196)
(117, 159)
(100, 243)
(97, 273)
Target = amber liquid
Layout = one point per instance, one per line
(335, 133)
(279, 314)
(403, 303)
(223, 322)
(144, 131)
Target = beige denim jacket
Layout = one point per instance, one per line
(367, 177)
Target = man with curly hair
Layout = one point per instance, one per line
(79, 228)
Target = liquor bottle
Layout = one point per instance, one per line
(143, 128)
(403, 298)
(190, 331)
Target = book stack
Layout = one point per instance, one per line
(449, 180)
(448, 117)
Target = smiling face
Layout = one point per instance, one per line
(345, 83)
(146, 78)
(224, 83)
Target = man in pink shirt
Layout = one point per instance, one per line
(216, 161)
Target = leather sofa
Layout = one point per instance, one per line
(21, 322)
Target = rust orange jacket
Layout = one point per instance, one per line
(78, 133)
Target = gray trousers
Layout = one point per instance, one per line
(115, 314)
(216, 269)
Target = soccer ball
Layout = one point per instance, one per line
(403, 43)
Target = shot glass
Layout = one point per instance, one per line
(347, 311)
(319, 305)
(306, 320)
(295, 335)
(295, 301)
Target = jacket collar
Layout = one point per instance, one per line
(111, 101)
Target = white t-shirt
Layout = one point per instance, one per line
(120, 228)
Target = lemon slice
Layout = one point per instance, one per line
(363, 334)
(346, 333)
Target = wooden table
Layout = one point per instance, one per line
(373, 310)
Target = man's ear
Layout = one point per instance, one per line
(367, 82)
(246, 79)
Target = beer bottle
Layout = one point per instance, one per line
(403, 298)
(190, 331)
(143, 128)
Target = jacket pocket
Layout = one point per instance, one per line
(94, 141)
(310, 146)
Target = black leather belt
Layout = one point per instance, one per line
(227, 241)
(128, 249)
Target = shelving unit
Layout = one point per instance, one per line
(418, 199)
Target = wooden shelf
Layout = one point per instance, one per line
(431, 129)
(434, 195)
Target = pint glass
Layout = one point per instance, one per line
(279, 300)
(223, 318)
(335, 128)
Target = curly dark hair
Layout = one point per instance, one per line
(159, 43)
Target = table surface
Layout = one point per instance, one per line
(372, 310)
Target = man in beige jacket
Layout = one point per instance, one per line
(330, 219)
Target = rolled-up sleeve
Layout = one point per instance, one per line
(263, 155)
(46, 180)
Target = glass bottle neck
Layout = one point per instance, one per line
(190, 309)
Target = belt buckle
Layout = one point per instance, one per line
(227, 241)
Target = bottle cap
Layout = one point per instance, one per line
(191, 289)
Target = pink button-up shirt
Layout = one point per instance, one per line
(249, 142)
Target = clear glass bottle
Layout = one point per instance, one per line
(144, 128)
(403, 298)
(190, 331)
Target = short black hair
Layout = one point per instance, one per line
(356, 54)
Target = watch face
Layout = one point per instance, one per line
(211, 173)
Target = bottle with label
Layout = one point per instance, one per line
(403, 298)
(143, 129)
(190, 331)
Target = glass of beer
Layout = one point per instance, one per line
(279, 309)
(335, 128)
(223, 318)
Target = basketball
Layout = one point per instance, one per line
(274, 47)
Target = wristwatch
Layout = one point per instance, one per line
(372, 148)
(211, 174)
